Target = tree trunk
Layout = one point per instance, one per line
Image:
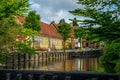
(64, 46)
(80, 45)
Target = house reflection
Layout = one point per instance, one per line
(86, 64)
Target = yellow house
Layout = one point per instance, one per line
(49, 38)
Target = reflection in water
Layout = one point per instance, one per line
(85, 64)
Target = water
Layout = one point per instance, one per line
(55, 63)
(85, 64)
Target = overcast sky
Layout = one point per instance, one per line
(50, 10)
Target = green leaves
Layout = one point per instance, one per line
(79, 33)
(64, 29)
(32, 21)
(111, 58)
(24, 48)
(104, 14)
(9, 29)
(13, 7)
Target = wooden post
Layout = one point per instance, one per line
(13, 65)
(19, 62)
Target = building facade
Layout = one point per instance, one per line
(48, 39)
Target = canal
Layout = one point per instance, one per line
(54, 61)
(54, 66)
(75, 64)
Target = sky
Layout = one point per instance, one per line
(54, 10)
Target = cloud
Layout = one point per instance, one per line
(50, 10)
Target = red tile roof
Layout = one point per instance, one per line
(46, 29)
(50, 30)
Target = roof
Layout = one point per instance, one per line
(50, 30)
(46, 29)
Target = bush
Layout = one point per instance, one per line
(111, 58)
(3, 57)
(24, 48)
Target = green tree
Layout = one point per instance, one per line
(13, 7)
(111, 58)
(65, 30)
(32, 22)
(102, 14)
(91, 38)
(74, 21)
(80, 34)
(103, 17)
(61, 21)
(8, 26)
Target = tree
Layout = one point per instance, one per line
(8, 32)
(61, 21)
(80, 34)
(74, 21)
(65, 30)
(91, 38)
(13, 7)
(111, 58)
(103, 16)
(8, 26)
(32, 22)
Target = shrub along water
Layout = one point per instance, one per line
(111, 58)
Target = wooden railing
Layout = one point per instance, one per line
(53, 75)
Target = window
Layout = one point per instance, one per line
(53, 42)
(38, 40)
(41, 40)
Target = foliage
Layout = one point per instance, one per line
(24, 47)
(65, 30)
(13, 7)
(80, 33)
(32, 21)
(61, 21)
(32, 24)
(102, 16)
(74, 21)
(111, 58)
(3, 57)
(27, 31)
(92, 38)
(9, 29)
